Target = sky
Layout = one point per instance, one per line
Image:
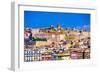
(39, 19)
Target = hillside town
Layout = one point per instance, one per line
(56, 43)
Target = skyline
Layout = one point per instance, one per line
(40, 19)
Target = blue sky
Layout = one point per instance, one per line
(38, 19)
